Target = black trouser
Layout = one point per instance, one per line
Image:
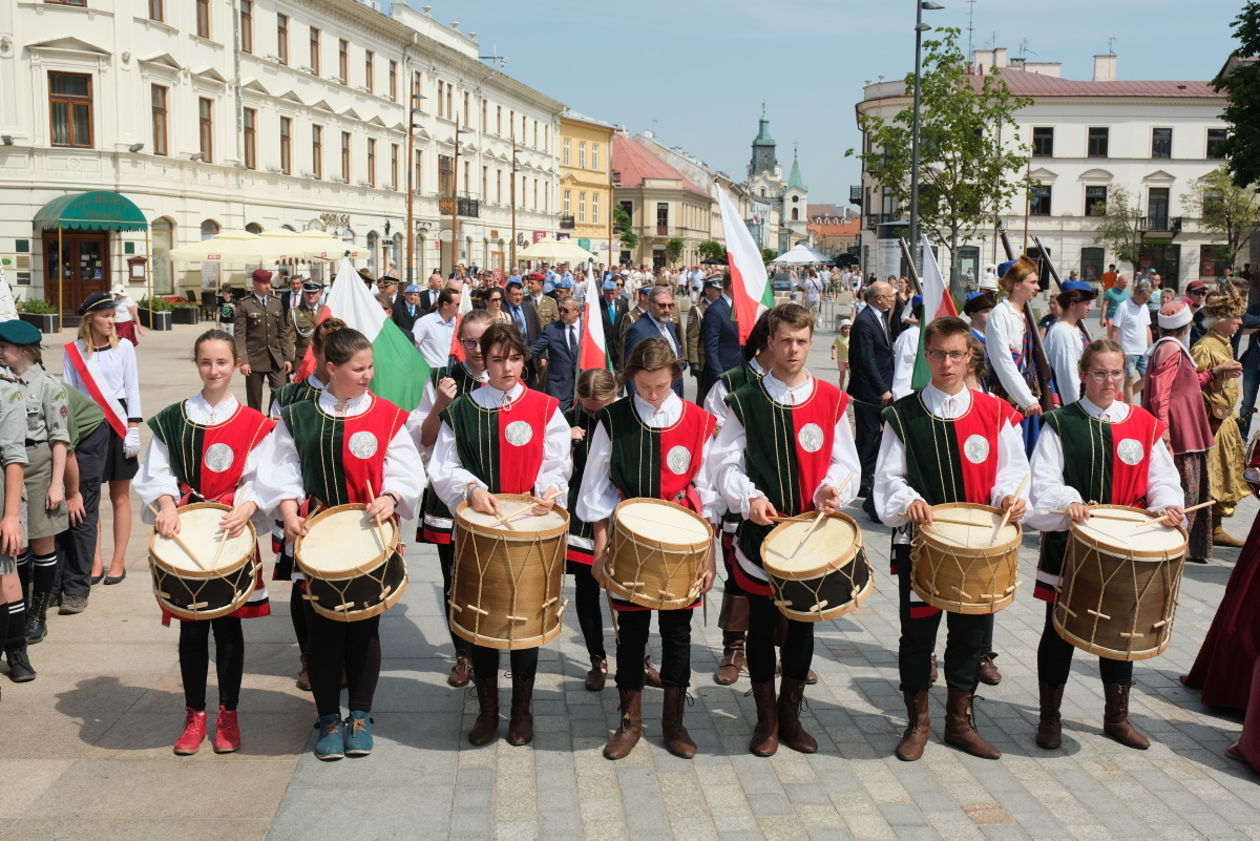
(523, 662)
(254, 384)
(229, 659)
(730, 587)
(796, 650)
(299, 614)
(77, 544)
(334, 645)
(586, 602)
(868, 433)
(964, 640)
(446, 560)
(1054, 659)
(633, 627)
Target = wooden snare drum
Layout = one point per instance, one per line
(190, 590)
(958, 566)
(354, 568)
(506, 588)
(826, 576)
(657, 553)
(1119, 585)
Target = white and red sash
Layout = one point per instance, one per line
(89, 372)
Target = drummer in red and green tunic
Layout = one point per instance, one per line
(650, 444)
(202, 449)
(445, 384)
(345, 446)
(944, 443)
(502, 438)
(785, 450)
(1096, 450)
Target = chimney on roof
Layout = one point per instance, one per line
(999, 57)
(1105, 68)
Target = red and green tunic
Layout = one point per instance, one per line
(435, 518)
(581, 548)
(1106, 463)
(949, 460)
(293, 392)
(787, 455)
(734, 379)
(656, 462)
(502, 447)
(288, 394)
(208, 462)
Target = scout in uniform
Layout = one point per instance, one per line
(89, 439)
(13, 531)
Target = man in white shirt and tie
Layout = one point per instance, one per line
(657, 322)
(434, 332)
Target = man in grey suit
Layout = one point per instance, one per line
(559, 340)
(656, 323)
(719, 338)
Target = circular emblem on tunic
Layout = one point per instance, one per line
(678, 459)
(976, 449)
(1130, 451)
(810, 437)
(219, 457)
(518, 433)
(363, 444)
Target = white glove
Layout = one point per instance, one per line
(131, 444)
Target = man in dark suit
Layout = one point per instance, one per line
(656, 323)
(871, 361)
(611, 308)
(719, 338)
(408, 309)
(628, 319)
(429, 297)
(559, 341)
(292, 296)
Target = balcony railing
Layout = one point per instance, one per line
(566, 222)
(467, 206)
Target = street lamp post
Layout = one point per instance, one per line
(512, 250)
(455, 195)
(919, 28)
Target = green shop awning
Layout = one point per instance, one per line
(99, 210)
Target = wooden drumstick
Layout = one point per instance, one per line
(516, 515)
(1197, 507)
(214, 562)
(1007, 516)
(179, 541)
(380, 526)
(822, 515)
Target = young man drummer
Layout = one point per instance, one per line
(943, 444)
(650, 444)
(1097, 449)
(786, 449)
(502, 438)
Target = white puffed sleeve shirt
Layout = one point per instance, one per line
(1004, 335)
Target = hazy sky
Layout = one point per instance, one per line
(697, 71)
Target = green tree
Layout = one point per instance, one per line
(1120, 227)
(710, 250)
(1225, 210)
(768, 254)
(673, 250)
(1241, 82)
(624, 227)
(971, 160)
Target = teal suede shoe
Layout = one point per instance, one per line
(330, 744)
(358, 733)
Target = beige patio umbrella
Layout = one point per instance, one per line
(234, 247)
(556, 251)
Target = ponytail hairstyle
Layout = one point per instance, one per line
(596, 384)
(322, 331)
(341, 346)
(1021, 269)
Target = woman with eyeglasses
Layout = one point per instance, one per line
(1098, 449)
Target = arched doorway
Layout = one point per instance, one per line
(372, 262)
(163, 271)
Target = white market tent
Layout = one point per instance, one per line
(800, 255)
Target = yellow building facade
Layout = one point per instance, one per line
(585, 200)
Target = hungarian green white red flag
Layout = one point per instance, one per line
(401, 371)
(592, 348)
(751, 291)
(936, 304)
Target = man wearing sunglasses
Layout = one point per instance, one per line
(657, 322)
(559, 342)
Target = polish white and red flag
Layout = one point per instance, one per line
(592, 348)
(751, 291)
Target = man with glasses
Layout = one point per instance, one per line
(433, 332)
(657, 322)
(559, 342)
(871, 364)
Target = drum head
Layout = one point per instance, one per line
(970, 526)
(199, 530)
(661, 521)
(512, 509)
(1126, 532)
(832, 545)
(342, 540)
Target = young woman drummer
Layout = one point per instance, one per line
(596, 389)
(103, 367)
(345, 446)
(651, 444)
(201, 449)
(502, 438)
(1096, 449)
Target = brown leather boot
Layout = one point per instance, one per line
(677, 739)
(933, 672)
(733, 620)
(1116, 718)
(1050, 726)
(732, 664)
(304, 677)
(486, 727)
(651, 677)
(461, 672)
(521, 724)
(598, 675)
(959, 729)
(627, 734)
(791, 733)
(989, 673)
(765, 737)
(919, 729)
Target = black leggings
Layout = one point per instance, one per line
(633, 627)
(229, 660)
(964, 642)
(485, 661)
(299, 611)
(796, 651)
(336, 645)
(446, 559)
(1054, 659)
(586, 601)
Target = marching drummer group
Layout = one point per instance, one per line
(772, 443)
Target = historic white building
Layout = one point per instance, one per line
(260, 114)
(1155, 139)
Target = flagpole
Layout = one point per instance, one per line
(913, 273)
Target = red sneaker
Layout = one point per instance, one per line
(227, 732)
(194, 733)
